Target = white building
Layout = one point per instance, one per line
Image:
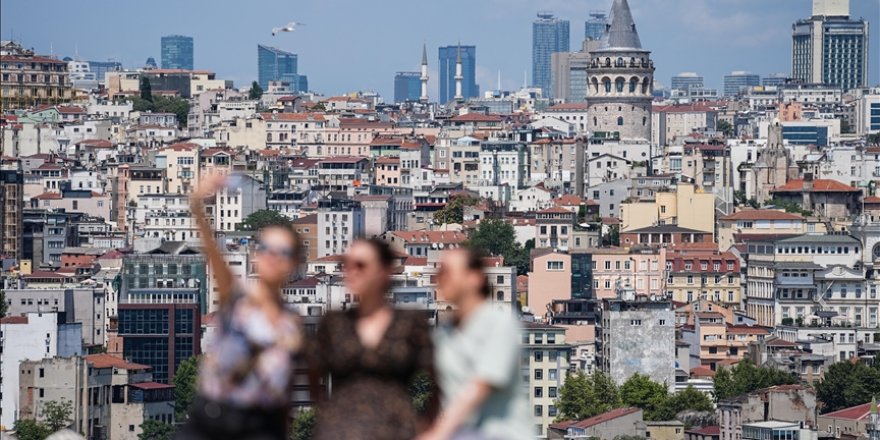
(34, 336)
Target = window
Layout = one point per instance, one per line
(539, 356)
(539, 374)
(555, 265)
(635, 322)
(539, 391)
(551, 392)
(539, 410)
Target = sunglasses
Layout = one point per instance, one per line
(354, 265)
(275, 251)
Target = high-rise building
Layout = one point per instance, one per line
(687, 80)
(737, 81)
(568, 74)
(830, 47)
(775, 80)
(161, 302)
(549, 35)
(276, 65)
(100, 68)
(621, 78)
(11, 209)
(446, 67)
(407, 86)
(594, 28)
(177, 52)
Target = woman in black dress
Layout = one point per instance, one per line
(370, 354)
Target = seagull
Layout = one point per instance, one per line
(290, 27)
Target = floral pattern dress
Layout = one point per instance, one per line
(369, 398)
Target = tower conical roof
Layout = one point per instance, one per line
(622, 29)
(424, 55)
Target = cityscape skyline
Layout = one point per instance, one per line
(760, 39)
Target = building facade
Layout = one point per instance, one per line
(830, 47)
(177, 52)
(276, 65)
(549, 35)
(448, 56)
(407, 86)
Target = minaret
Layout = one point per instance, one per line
(424, 78)
(458, 77)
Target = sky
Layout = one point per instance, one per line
(350, 45)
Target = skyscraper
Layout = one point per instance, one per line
(621, 81)
(594, 28)
(276, 65)
(736, 81)
(774, 80)
(687, 80)
(177, 52)
(829, 47)
(407, 86)
(446, 67)
(549, 35)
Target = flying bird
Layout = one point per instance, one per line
(290, 27)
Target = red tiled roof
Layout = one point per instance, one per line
(330, 259)
(595, 420)
(97, 143)
(388, 160)
(477, 117)
(568, 106)
(857, 412)
(682, 108)
(151, 385)
(31, 59)
(48, 196)
(819, 185)
(293, 117)
(747, 329)
(104, 360)
(702, 371)
(181, 146)
(762, 214)
(342, 159)
(872, 199)
(445, 237)
(14, 320)
(415, 261)
(707, 430)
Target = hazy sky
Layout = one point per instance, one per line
(352, 45)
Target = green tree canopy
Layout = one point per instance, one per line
(453, 212)
(185, 386)
(745, 377)
(640, 391)
(688, 399)
(256, 92)
(420, 388)
(497, 237)
(30, 429)
(303, 426)
(167, 104)
(584, 396)
(847, 384)
(724, 127)
(262, 218)
(153, 429)
(58, 414)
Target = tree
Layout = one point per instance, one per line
(57, 414)
(421, 388)
(745, 377)
(173, 104)
(153, 429)
(453, 212)
(497, 237)
(640, 391)
(874, 138)
(724, 127)
(30, 429)
(303, 426)
(585, 396)
(847, 384)
(687, 400)
(256, 92)
(146, 89)
(262, 218)
(185, 386)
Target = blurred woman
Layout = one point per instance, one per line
(371, 354)
(246, 376)
(478, 355)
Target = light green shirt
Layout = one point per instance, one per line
(486, 346)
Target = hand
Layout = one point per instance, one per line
(208, 186)
(432, 434)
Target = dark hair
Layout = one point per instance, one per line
(474, 262)
(382, 250)
(287, 227)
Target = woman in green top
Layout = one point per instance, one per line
(477, 359)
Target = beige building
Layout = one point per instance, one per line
(551, 274)
(679, 120)
(668, 430)
(181, 164)
(853, 422)
(763, 221)
(30, 80)
(684, 207)
(545, 365)
(641, 269)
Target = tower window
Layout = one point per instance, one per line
(618, 84)
(644, 120)
(620, 120)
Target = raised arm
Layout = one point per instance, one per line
(208, 187)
